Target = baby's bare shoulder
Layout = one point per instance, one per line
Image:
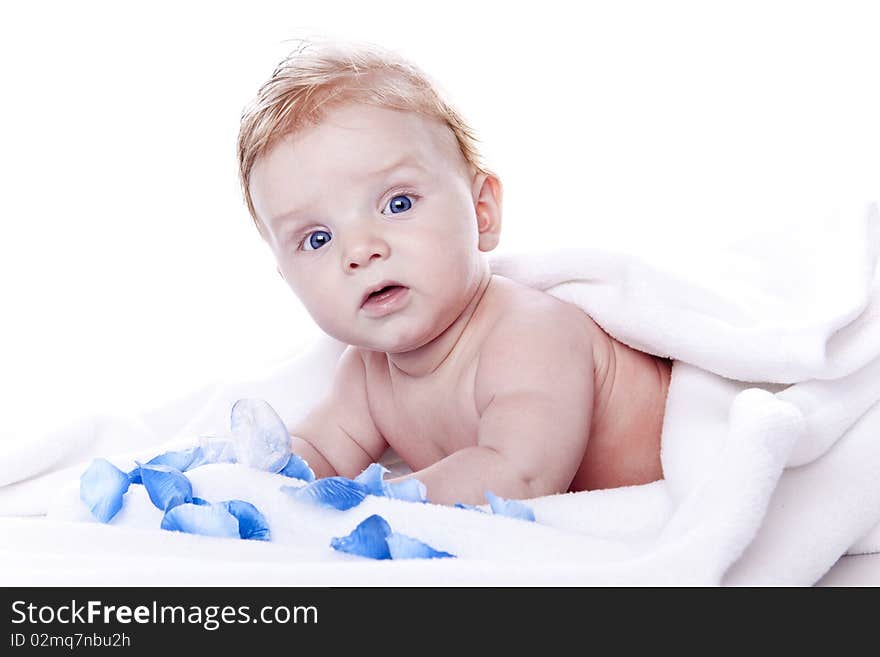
(536, 343)
(525, 315)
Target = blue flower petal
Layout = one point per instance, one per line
(337, 492)
(183, 460)
(200, 501)
(101, 487)
(371, 477)
(510, 508)
(210, 520)
(198, 458)
(468, 507)
(261, 439)
(297, 468)
(402, 546)
(408, 490)
(366, 540)
(166, 486)
(251, 523)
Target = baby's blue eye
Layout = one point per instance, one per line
(316, 239)
(400, 203)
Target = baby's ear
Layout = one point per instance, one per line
(487, 198)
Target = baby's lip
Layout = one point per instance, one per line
(377, 287)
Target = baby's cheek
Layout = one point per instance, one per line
(318, 308)
(330, 319)
(452, 255)
(457, 231)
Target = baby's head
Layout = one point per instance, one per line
(359, 175)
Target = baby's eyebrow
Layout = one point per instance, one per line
(406, 162)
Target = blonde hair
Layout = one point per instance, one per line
(320, 75)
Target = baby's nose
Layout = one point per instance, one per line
(364, 253)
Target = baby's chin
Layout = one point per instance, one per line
(392, 341)
(389, 346)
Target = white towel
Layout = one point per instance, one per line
(769, 445)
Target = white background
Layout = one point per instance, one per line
(130, 273)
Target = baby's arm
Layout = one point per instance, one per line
(338, 436)
(534, 392)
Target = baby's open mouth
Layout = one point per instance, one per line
(384, 293)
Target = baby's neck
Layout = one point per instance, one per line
(430, 357)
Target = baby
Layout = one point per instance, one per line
(369, 190)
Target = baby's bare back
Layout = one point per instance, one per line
(619, 415)
(628, 411)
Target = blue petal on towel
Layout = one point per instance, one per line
(402, 546)
(101, 487)
(337, 492)
(182, 460)
(468, 507)
(166, 486)
(366, 540)
(510, 508)
(261, 439)
(251, 523)
(371, 477)
(198, 458)
(298, 468)
(210, 520)
(408, 490)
